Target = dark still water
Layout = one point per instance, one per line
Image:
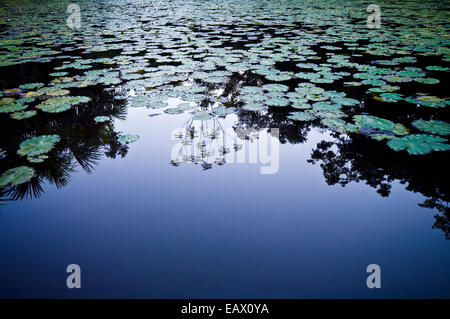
(188, 149)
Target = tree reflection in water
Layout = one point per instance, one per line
(83, 141)
(348, 158)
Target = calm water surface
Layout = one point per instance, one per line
(141, 223)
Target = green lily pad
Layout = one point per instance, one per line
(23, 115)
(174, 111)
(277, 101)
(38, 145)
(301, 116)
(16, 176)
(437, 68)
(128, 138)
(58, 74)
(419, 144)
(373, 122)
(202, 116)
(427, 80)
(400, 129)
(101, 119)
(427, 100)
(433, 126)
(223, 111)
(278, 77)
(255, 107)
(326, 106)
(31, 86)
(37, 159)
(61, 104)
(10, 108)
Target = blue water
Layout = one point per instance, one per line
(139, 227)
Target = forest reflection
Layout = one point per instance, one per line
(348, 158)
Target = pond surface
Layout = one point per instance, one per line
(211, 149)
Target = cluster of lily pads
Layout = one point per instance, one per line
(35, 149)
(51, 99)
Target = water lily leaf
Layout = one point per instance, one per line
(278, 77)
(128, 138)
(344, 101)
(277, 101)
(275, 87)
(223, 111)
(58, 74)
(433, 126)
(16, 176)
(389, 97)
(373, 122)
(326, 106)
(427, 100)
(255, 107)
(31, 86)
(38, 145)
(339, 125)
(380, 137)
(419, 144)
(61, 104)
(427, 80)
(397, 79)
(23, 115)
(7, 101)
(301, 116)
(202, 116)
(400, 129)
(10, 108)
(101, 119)
(437, 68)
(174, 111)
(37, 159)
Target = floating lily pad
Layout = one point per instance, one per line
(61, 104)
(223, 111)
(427, 80)
(38, 145)
(419, 144)
(23, 115)
(101, 119)
(37, 159)
(128, 138)
(174, 111)
(277, 101)
(427, 100)
(31, 86)
(373, 122)
(301, 116)
(255, 107)
(202, 116)
(278, 77)
(437, 68)
(16, 176)
(433, 126)
(390, 97)
(400, 129)
(58, 74)
(10, 108)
